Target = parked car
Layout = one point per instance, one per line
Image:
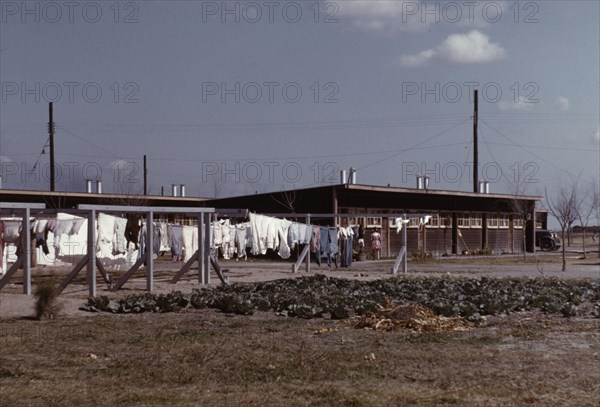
(547, 240)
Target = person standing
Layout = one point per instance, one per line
(376, 243)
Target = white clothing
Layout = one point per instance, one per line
(188, 247)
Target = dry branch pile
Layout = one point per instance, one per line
(410, 317)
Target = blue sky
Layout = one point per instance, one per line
(240, 97)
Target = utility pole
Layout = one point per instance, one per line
(475, 146)
(51, 134)
(145, 175)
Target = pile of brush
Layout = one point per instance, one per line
(411, 317)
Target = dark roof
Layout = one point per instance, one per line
(437, 192)
(61, 199)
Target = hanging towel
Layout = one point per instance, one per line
(77, 224)
(120, 242)
(188, 236)
(176, 242)
(106, 228)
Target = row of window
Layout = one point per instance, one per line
(437, 220)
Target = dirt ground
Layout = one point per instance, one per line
(14, 304)
(204, 357)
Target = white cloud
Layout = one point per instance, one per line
(472, 47)
(563, 103)
(383, 16)
(390, 16)
(420, 59)
(521, 104)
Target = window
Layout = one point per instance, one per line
(354, 220)
(463, 220)
(518, 223)
(374, 221)
(445, 220)
(434, 222)
(413, 222)
(476, 220)
(503, 221)
(538, 224)
(492, 222)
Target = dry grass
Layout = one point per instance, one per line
(209, 359)
(410, 317)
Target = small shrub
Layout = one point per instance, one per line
(46, 295)
(420, 256)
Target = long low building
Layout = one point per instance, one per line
(460, 221)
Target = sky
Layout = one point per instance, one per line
(241, 97)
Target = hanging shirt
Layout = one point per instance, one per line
(12, 231)
(40, 225)
(77, 224)
(51, 225)
(293, 235)
(63, 227)
(164, 237)
(315, 242)
(240, 239)
(132, 229)
(258, 227)
(284, 250)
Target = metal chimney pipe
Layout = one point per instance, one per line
(426, 182)
(487, 187)
(419, 182)
(174, 189)
(182, 190)
(343, 177)
(99, 186)
(88, 186)
(352, 176)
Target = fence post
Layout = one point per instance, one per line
(91, 249)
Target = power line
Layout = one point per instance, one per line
(37, 161)
(526, 150)
(398, 152)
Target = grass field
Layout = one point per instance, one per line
(212, 359)
(208, 358)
